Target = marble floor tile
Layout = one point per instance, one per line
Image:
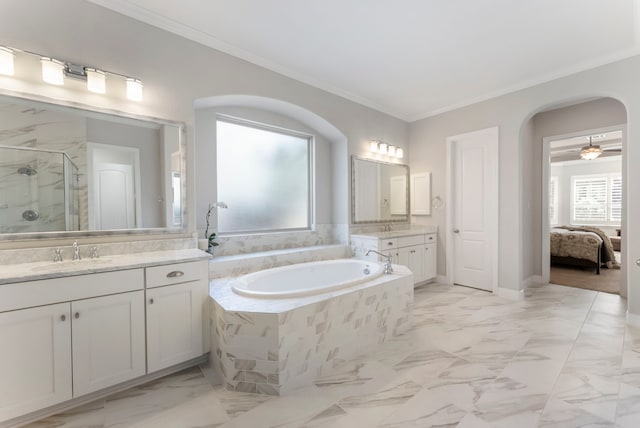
(560, 358)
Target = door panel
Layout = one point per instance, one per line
(475, 192)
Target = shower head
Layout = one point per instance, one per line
(27, 170)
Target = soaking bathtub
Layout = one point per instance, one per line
(306, 279)
(278, 329)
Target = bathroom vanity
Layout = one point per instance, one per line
(80, 329)
(416, 250)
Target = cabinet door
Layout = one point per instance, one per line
(108, 341)
(430, 266)
(174, 323)
(412, 257)
(35, 359)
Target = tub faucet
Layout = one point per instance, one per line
(388, 270)
(76, 250)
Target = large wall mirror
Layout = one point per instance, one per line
(69, 171)
(379, 191)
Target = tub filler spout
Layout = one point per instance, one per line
(388, 270)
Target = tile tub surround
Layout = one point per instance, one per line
(241, 264)
(275, 346)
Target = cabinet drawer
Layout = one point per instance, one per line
(386, 244)
(157, 276)
(46, 291)
(408, 241)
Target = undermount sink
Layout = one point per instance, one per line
(71, 264)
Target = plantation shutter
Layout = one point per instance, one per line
(616, 199)
(589, 200)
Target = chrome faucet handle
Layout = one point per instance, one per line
(57, 257)
(76, 250)
(94, 252)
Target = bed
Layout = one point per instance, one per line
(582, 246)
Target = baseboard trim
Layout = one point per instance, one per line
(441, 279)
(78, 401)
(633, 319)
(509, 294)
(533, 279)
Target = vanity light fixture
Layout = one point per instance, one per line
(6, 61)
(134, 89)
(391, 151)
(377, 146)
(52, 71)
(96, 80)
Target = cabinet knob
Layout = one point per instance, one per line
(456, 230)
(175, 274)
(76, 315)
(431, 238)
(63, 318)
(151, 301)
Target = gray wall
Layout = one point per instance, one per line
(147, 141)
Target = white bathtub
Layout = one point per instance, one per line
(306, 279)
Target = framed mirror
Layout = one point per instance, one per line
(67, 170)
(379, 191)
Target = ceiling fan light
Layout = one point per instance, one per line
(590, 152)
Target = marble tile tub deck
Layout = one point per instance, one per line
(562, 357)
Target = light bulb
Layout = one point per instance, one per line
(52, 71)
(391, 151)
(134, 89)
(6, 61)
(399, 153)
(382, 148)
(373, 146)
(96, 80)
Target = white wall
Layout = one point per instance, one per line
(175, 72)
(512, 113)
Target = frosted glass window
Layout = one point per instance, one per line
(264, 177)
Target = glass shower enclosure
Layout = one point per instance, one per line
(38, 191)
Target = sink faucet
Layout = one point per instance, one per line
(57, 255)
(388, 270)
(76, 250)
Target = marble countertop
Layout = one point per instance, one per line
(22, 272)
(398, 233)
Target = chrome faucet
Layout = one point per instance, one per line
(57, 255)
(94, 252)
(76, 250)
(388, 270)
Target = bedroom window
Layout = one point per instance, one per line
(596, 200)
(553, 200)
(264, 176)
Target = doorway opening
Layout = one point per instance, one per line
(585, 216)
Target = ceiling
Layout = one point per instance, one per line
(569, 149)
(409, 58)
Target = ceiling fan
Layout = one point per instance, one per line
(593, 151)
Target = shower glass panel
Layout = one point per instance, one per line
(37, 191)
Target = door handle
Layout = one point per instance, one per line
(638, 262)
(175, 274)
(456, 230)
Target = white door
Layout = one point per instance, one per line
(35, 359)
(108, 341)
(474, 214)
(114, 196)
(174, 324)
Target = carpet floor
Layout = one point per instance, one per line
(608, 281)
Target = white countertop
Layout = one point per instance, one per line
(21, 272)
(398, 233)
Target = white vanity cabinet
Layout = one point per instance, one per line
(416, 251)
(176, 299)
(108, 341)
(67, 336)
(35, 359)
(66, 342)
